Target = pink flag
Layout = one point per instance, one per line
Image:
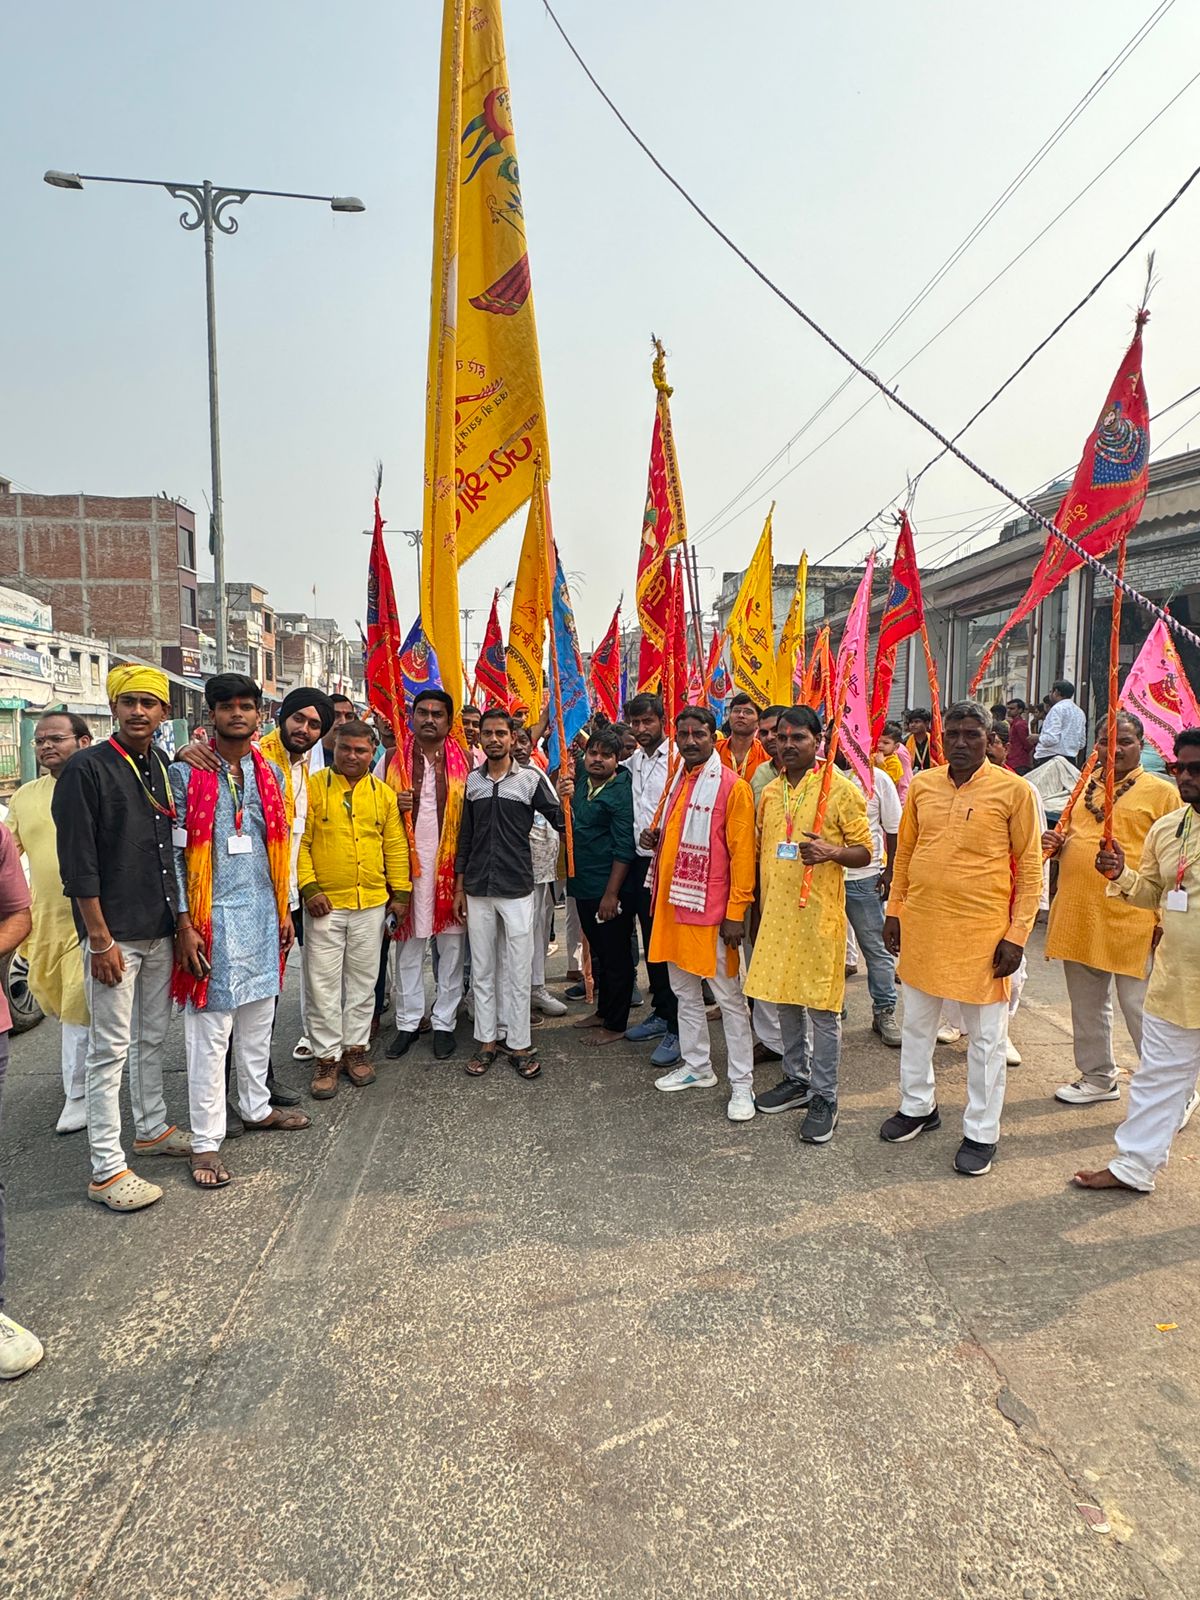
(1157, 691)
(852, 673)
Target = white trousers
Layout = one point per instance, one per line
(543, 910)
(341, 965)
(206, 1037)
(986, 1028)
(128, 1026)
(486, 917)
(1090, 992)
(694, 1044)
(74, 1060)
(408, 980)
(1158, 1092)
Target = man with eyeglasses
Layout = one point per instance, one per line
(52, 949)
(1167, 881)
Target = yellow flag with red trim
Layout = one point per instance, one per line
(485, 416)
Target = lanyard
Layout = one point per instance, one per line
(593, 793)
(789, 811)
(1183, 855)
(163, 811)
(235, 794)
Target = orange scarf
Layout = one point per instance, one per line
(202, 791)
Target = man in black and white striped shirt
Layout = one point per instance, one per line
(494, 887)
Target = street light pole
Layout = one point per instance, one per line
(207, 207)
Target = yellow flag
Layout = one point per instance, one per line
(791, 639)
(485, 416)
(533, 597)
(752, 625)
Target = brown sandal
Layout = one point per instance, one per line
(480, 1062)
(283, 1121)
(209, 1161)
(525, 1063)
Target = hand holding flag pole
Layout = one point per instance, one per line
(833, 734)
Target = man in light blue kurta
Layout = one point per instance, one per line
(247, 936)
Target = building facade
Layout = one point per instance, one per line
(118, 569)
(251, 631)
(41, 668)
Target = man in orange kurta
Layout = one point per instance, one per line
(703, 887)
(965, 892)
(743, 750)
(1102, 942)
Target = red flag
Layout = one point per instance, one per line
(1109, 489)
(606, 671)
(385, 691)
(491, 670)
(903, 615)
(818, 687)
(662, 527)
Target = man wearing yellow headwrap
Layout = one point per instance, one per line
(113, 811)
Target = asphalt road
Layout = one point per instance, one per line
(575, 1338)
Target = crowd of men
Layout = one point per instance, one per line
(188, 883)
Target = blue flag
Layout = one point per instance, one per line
(418, 663)
(574, 686)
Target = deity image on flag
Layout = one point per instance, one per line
(1121, 449)
(1158, 692)
(418, 663)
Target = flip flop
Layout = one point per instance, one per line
(209, 1161)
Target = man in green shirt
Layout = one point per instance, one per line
(602, 817)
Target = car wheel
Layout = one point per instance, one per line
(14, 974)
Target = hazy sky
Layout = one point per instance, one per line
(848, 148)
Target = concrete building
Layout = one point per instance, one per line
(41, 667)
(251, 630)
(118, 569)
(828, 592)
(314, 651)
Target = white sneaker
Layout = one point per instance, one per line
(1012, 1056)
(72, 1117)
(549, 1005)
(303, 1050)
(19, 1349)
(686, 1078)
(741, 1106)
(1193, 1102)
(1083, 1093)
(949, 1035)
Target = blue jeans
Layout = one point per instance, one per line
(864, 912)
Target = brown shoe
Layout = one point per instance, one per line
(325, 1078)
(357, 1067)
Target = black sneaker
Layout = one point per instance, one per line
(973, 1159)
(577, 991)
(790, 1095)
(402, 1044)
(821, 1120)
(900, 1128)
(444, 1044)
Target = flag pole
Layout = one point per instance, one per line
(937, 754)
(396, 697)
(539, 487)
(1114, 694)
(833, 734)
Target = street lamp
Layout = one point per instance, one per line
(207, 207)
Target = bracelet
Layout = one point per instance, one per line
(103, 952)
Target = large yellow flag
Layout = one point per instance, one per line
(791, 639)
(485, 416)
(533, 597)
(752, 625)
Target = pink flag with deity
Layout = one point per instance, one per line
(854, 684)
(1158, 692)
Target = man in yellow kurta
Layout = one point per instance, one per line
(798, 960)
(703, 888)
(52, 949)
(965, 892)
(1103, 942)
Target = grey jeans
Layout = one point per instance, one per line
(817, 1063)
(1091, 994)
(129, 1025)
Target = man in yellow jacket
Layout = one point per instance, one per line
(353, 869)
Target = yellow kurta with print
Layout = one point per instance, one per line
(968, 873)
(800, 956)
(688, 945)
(1174, 840)
(52, 949)
(1086, 923)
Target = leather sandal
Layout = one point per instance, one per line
(282, 1121)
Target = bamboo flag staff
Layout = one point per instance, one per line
(833, 736)
(1114, 693)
